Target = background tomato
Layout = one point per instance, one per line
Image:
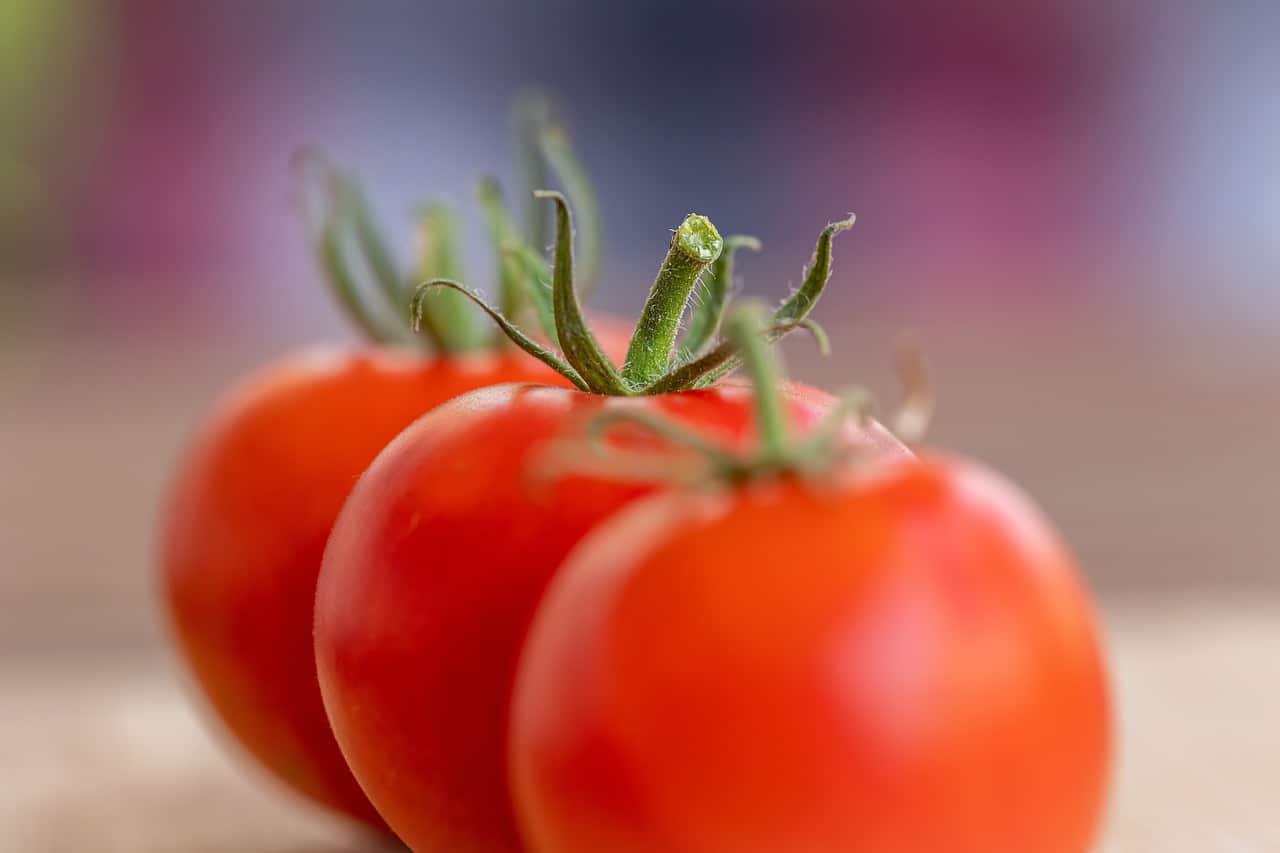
(906, 662)
(432, 574)
(246, 525)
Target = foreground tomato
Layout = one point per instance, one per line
(256, 497)
(443, 550)
(430, 579)
(896, 658)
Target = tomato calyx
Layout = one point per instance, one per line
(824, 451)
(347, 241)
(656, 363)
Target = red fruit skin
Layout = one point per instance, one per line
(431, 578)
(903, 663)
(245, 527)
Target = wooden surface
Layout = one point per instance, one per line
(111, 758)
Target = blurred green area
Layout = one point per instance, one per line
(54, 83)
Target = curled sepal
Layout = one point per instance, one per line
(790, 315)
(576, 341)
(799, 304)
(695, 245)
(555, 147)
(704, 325)
(418, 311)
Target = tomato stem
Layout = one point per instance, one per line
(817, 453)
(694, 246)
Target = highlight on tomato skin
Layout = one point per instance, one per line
(905, 660)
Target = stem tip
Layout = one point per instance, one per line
(699, 239)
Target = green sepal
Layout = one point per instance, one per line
(704, 325)
(793, 312)
(443, 314)
(579, 346)
(555, 147)
(799, 304)
(354, 204)
(511, 273)
(332, 260)
(537, 278)
(418, 311)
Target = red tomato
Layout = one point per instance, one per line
(430, 579)
(246, 526)
(902, 663)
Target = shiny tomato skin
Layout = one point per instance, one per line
(432, 574)
(245, 527)
(904, 663)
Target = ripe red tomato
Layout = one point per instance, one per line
(903, 662)
(246, 525)
(430, 579)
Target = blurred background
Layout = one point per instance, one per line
(1074, 206)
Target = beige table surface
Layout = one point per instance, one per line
(111, 757)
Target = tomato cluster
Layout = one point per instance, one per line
(523, 598)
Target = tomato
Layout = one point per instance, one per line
(433, 572)
(256, 498)
(245, 528)
(903, 662)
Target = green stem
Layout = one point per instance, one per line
(746, 328)
(694, 246)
